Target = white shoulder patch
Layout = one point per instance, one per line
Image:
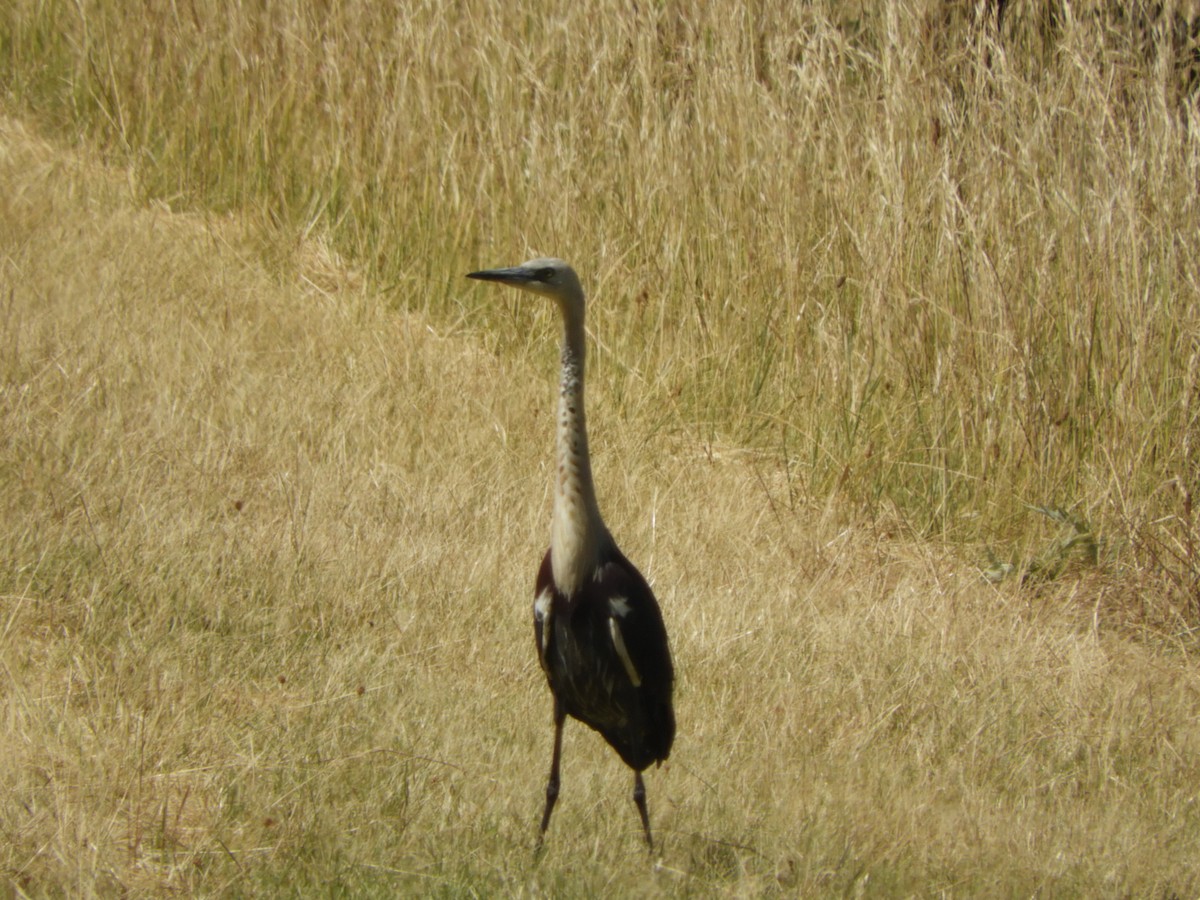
(619, 607)
(622, 653)
(541, 605)
(541, 615)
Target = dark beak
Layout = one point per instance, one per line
(515, 275)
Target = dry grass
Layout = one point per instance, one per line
(945, 289)
(273, 477)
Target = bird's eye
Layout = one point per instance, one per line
(545, 274)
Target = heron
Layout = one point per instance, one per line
(600, 635)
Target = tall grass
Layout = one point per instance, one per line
(874, 290)
(945, 272)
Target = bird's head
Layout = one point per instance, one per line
(551, 278)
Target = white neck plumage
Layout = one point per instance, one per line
(577, 533)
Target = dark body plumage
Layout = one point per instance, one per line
(585, 672)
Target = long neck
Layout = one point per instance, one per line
(577, 534)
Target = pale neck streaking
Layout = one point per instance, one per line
(577, 533)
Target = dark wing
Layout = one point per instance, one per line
(639, 627)
(640, 621)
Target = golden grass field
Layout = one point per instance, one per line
(883, 303)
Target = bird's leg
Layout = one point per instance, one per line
(552, 785)
(639, 798)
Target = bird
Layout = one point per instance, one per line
(601, 640)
